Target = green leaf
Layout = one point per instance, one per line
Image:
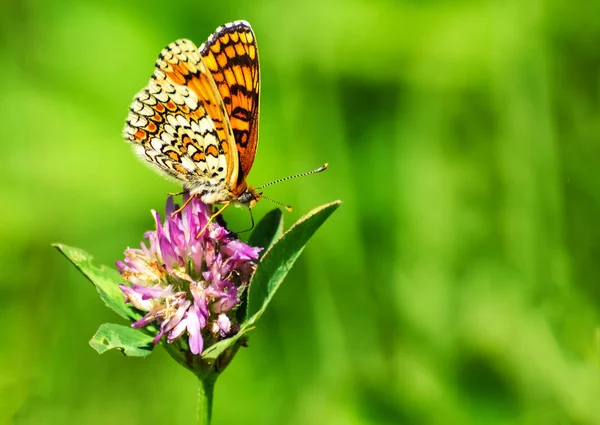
(131, 342)
(214, 351)
(105, 279)
(279, 259)
(274, 266)
(268, 230)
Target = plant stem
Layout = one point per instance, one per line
(205, 399)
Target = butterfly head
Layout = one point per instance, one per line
(249, 197)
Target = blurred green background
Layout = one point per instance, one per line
(458, 284)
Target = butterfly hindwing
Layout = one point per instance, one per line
(179, 124)
(146, 128)
(231, 55)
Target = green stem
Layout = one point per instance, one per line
(205, 399)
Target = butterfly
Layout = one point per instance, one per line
(197, 119)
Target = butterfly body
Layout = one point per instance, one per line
(196, 121)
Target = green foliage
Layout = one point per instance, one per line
(274, 266)
(268, 230)
(279, 259)
(105, 279)
(459, 283)
(131, 342)
(283, 250)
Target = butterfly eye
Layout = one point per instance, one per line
(249, 198)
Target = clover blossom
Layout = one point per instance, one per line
(185, 283)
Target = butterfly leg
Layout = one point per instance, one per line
(252, 220)
(212, 217)
(183, 206)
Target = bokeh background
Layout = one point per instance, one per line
(459, 283)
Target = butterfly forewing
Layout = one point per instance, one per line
(231, 55)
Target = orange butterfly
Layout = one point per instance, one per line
(197, 119)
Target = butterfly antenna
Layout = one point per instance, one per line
(287, 207)
(308, 173)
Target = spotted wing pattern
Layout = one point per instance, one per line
(180, 125)
(231, 55)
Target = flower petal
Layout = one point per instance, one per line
(185, 283)
(177, 331)
(193, 327)
(136, 298)
(224, 325)
(240, 251)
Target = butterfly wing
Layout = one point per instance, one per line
(231, 55)
(179, 124)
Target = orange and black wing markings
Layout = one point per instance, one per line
(231, 55)
(179, 124)
(181, 64)
(197, 118)
(150, 128)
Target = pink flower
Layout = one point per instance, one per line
(188, 285)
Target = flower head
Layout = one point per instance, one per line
(188, 285)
